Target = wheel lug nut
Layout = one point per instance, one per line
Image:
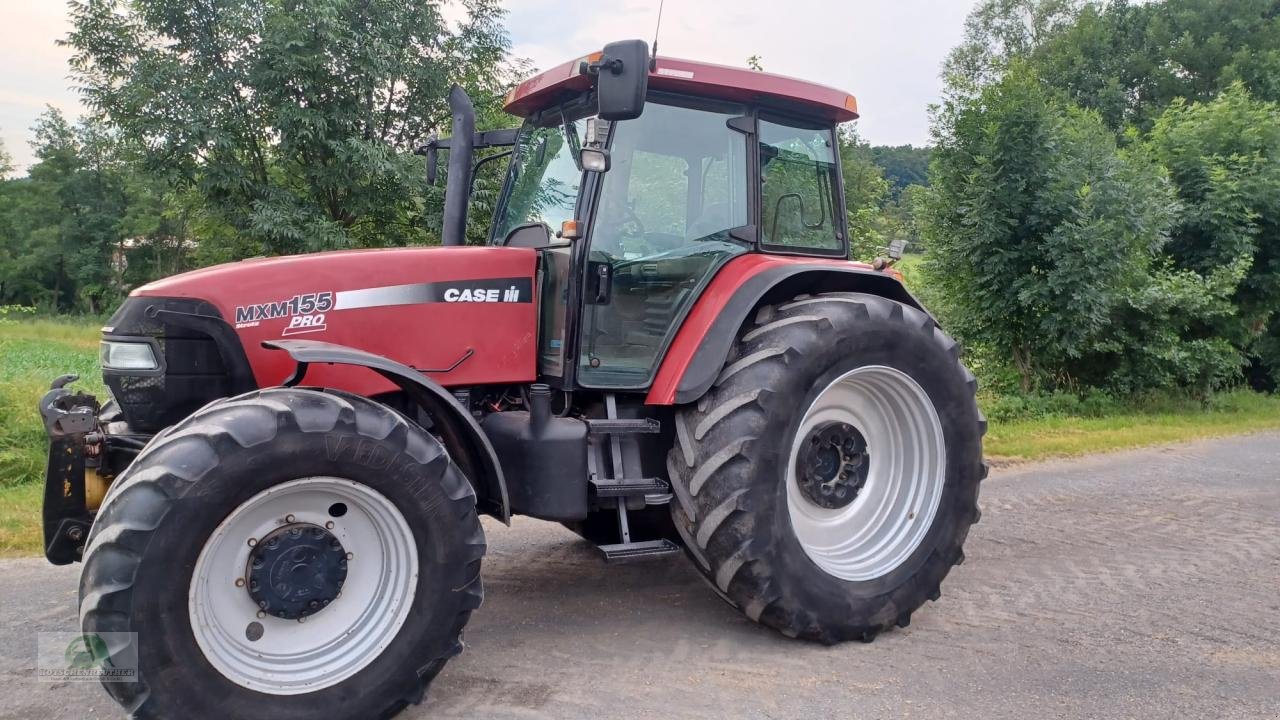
(253, 542)
(288, 518)
(239, 582)
(329, 525)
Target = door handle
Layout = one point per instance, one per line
(601, 283)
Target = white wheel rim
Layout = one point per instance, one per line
(293, 657)
(906, 455)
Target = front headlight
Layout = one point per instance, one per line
(116, 355)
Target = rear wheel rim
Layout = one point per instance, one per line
(289, 656)
(899, 488)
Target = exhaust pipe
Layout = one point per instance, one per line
(457, 188)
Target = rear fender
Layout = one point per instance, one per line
(701, 346)
(462, 436)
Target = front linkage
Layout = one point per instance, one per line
(75, 449)
(89, 444)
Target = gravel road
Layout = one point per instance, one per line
(1140, 584)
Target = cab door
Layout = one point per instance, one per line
(673, 208)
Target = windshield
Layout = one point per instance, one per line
(543, 180)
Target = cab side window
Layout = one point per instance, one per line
(798, 204)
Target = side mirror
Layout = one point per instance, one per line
(623, 79)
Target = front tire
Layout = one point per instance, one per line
(350, 592)
(826, 483)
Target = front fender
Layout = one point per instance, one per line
(466, 442)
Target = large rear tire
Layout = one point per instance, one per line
(364, 508)
(826, 483)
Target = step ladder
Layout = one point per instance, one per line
(610, 433)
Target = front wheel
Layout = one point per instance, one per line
(288, 553)
(826, 483)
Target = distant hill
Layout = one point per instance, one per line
(903, 165)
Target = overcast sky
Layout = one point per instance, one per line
(886, 52)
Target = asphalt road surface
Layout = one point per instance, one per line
(1137, 585)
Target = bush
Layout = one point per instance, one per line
(1046, 251)
(1224, 157)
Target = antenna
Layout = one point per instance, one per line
(653, 59)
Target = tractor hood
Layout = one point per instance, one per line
(464, 315)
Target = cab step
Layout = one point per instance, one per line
(632, 551)
(622, 426)
(629, 487)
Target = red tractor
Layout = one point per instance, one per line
(663, 346)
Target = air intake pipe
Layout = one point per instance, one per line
(457, 187)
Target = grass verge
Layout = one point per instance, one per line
(1070, 436)
(33, 352)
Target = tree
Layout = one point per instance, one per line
(84, 226)
(865, 190)
(903, 165)
(6, 162)
(998, 32)
(1127, 60)
(1039, 228)
(295, 121)
(1224, 158)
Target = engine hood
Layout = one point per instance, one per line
(465, 315)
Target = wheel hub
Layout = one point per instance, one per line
(832, 465)
(296, 571)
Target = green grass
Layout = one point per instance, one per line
(1153, 424)
(33, 352)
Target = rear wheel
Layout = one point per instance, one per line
(826, 483)
(288, 553)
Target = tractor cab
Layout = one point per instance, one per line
(643, 177)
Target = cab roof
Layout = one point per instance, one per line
(693, 78)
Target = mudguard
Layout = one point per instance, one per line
(467, 443)
(698, 352)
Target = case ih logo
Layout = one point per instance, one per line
(511, 294)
